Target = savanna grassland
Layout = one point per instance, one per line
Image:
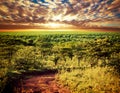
(86, 62)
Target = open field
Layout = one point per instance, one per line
(56, 31)
(86, 61)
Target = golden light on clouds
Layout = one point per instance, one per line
(60, 13)
(62, 17)
(57, 17)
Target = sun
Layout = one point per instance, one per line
(56, 25)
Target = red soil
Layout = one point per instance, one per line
(42, 83)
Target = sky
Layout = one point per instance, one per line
(63, 13)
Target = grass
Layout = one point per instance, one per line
(91, 80)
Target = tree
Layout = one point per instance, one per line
(70, 55)
(66, 52)
(55, 59)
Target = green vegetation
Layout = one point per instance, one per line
(86, 62)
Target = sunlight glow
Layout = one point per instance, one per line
(57, 25)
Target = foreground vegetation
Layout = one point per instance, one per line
(86, 62)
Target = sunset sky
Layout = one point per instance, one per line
(60, 13)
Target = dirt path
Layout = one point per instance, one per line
(42, 83)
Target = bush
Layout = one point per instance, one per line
(92, 80)
(28, 58)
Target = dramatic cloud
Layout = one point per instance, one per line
(75, 12)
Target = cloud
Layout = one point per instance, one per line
(74, 12)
